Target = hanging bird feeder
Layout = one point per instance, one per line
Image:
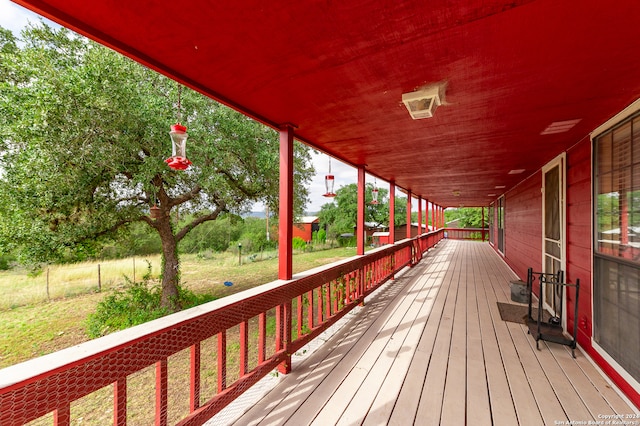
(374, 193)
(154, 212)
(178, 159)
(329, 182)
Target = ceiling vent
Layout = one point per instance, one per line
(423, 103)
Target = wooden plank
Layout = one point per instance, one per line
(502, 408)
(455, 385)
(310, 373)
(348, 388)
(594, 401)
(434, 350)
(523, 399)
(404, 411)
(431, 397)
(385, 401)
(543, 391)
(478, 406)
(613, 398)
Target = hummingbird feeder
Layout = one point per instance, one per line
(329, 182)
(374, 193)
(178, 159)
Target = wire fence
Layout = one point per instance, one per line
(62, 281)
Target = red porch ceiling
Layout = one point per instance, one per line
(338, 69)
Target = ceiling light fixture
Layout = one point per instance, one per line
(422, 103)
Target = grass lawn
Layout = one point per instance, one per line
(30, 326)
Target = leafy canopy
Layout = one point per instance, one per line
(83, 138)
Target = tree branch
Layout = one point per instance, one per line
(184, 197)
(234, 182)
(197, 221)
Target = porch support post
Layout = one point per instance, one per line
(483, 224)
(285, 226)
(433, 216)
(360, 218)
(419, 216)
(392, 212)
(426, 214)
(409, 195)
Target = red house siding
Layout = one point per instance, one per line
(523, 226)
(523, 244)
(579, 240)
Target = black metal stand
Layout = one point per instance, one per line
(551, 330)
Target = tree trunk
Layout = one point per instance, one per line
(170, 265)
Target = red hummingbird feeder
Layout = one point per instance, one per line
(178, 159)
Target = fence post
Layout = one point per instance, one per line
(134, 269)
(99, 280)
(48, 297)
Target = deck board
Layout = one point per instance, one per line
(430, 348)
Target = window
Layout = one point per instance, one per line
(491, 223)
(617, 243)
(500, 210)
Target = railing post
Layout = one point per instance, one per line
(62, 416)
(194, 388)
(483, 233)
(120, 402)
(283, 337)
(162, 381)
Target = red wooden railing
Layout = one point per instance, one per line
(467, 233)
(304, 306)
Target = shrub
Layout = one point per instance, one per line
(138, 303)
(298, 243)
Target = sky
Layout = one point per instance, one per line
(14, 18)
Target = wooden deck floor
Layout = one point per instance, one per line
(430, 348)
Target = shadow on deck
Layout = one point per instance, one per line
(431, 348)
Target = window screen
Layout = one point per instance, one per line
(617, 244)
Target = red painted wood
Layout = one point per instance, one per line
(408, 214)
(360, 215)
(523, 226)
(162, 375)
(244, 348)
(285, 232)
(194, 388)
(392, 215)
(579, 235)
(222, 361)
(262, 337)
(419, 215)
(62, 416)
(299, 315)
(120, 402)
(310, 309)
(285, 366)
(320, 296)
(110, 364)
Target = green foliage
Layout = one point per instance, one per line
(341, 214)
(5, 262)
(83, 138)
(254, 236)
(469, 217)
(214, 235)
(298, 243)
(319, 237)
(138, 303)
